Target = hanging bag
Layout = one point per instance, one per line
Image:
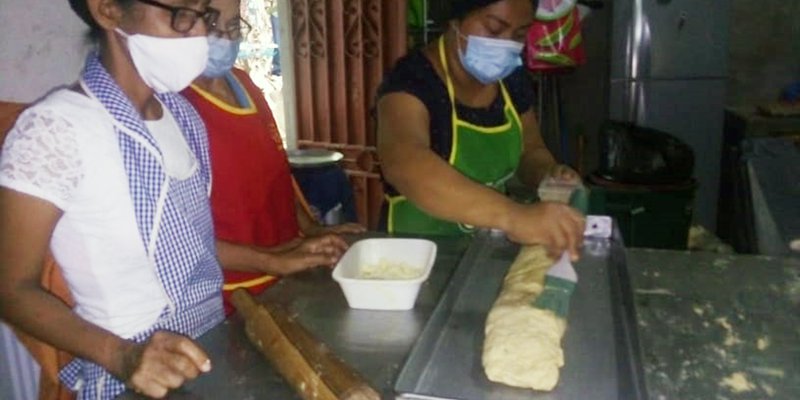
(554, 40)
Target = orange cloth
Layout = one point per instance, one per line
(50, 359)
(8, 115)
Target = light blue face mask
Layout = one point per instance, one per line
(490, 60)
(222, 55)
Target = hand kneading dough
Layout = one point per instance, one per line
(523, 343)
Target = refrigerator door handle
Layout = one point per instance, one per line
(631, 105)
(640, 57)
(639, 67)
(636, 99)
(640, 105)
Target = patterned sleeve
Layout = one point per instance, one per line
(40, 157)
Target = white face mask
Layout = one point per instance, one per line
(167, 64)
(490, 60)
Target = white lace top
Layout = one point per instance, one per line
(64, 150)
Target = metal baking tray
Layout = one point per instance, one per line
(600, 348)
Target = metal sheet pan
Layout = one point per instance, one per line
(601, 355)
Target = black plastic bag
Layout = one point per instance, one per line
(637, 155)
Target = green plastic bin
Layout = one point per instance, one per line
(654, 216)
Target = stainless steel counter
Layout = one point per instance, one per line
(375, 343)
(705, 319)
(679, 300)
(446, 362)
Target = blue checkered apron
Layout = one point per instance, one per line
(174, 221)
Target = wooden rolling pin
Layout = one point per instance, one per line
(307, 364)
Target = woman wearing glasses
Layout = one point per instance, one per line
(253, 200)
(112, 175)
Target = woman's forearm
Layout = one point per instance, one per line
(28, 224)
(237, 257)
(308, 226)
(41, 315)
(536, 161)
(438, 189)
(416, 171)
(534, 166)
(306, 253)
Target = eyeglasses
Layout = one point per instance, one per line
(235, 29)
(183, 19)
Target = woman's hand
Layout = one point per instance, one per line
(312, 252)
(164, 362)
(556, 226)
(563, 173)
(341, 229)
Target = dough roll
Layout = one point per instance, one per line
(523, 343)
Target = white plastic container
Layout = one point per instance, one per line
(384, 294)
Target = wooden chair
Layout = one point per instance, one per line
(50, 359)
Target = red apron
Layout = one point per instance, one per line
(252, 194)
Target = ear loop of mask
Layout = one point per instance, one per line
(460, 36)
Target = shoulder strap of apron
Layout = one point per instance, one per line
(455, 121)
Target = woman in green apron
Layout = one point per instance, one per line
(456, 121)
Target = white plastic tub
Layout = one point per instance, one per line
(384, 294)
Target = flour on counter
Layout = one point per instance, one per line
(762, 343)
(720, 352)
(737, 382)
(795, 245)
(731, 338)
(721, 262)
(769, 390)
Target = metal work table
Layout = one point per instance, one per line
(375, 343)
(773, 165)
(600, 358)
(701, 318)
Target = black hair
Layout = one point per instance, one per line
(461, 8)
(82, 10)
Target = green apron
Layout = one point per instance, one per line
(485, 154)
